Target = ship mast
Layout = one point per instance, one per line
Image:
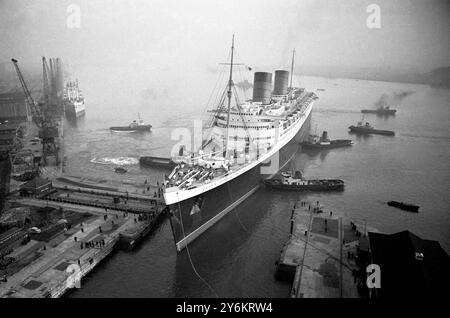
(230, 86)
(292, 67)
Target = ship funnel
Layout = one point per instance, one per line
(262, 87)
(325, 136)
(281, 82)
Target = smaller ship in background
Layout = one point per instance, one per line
(404, 206)
(367, 129)
(135, 126)
(323, 142)
(73, 100)
(382, 110)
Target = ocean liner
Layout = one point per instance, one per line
(73, 100)
(243, 144)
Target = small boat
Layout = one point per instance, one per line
(324, 142)
(133, 127)
(382, 110)
(297, 183)
(404, 206)
(156, 162)
(367, 129)
(321, 89)
(120, 170)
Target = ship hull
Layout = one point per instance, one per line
(191, 217)
(379, 112)
(368, 131)
(73, 112)
(135, 129)
(318, 186)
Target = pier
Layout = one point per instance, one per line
(323, 254)
(92, 225)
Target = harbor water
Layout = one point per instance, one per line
(236, 257)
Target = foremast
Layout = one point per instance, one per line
(229, 95)
(292, 68)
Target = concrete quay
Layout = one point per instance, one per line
(319, 257)
(60, 264)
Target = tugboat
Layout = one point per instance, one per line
(368, 129)
(382, 110)
(324, 142)
(404, 206)
(120, 170)
(133, 127)
(157, 162)
(297, 183)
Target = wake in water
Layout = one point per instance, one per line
(121, 161)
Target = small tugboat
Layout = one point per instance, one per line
(120, 170)
(133, 127)
(404, 206)
(157, 162)
(382, 110)
(324, 142)
(368, 129)
(297, 183)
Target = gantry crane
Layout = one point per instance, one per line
(32, 105)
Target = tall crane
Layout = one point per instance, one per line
(32, 105)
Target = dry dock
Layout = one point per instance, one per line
(49, 268)
(322, 257)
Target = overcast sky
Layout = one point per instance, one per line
(160, 37)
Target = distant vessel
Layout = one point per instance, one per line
(133, 127)
(73, 100)
(404, 206)
(382, 110)
(368, 129)
(321, 89)
(297, 183)
(324, 142)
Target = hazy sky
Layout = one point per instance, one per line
(172, 40)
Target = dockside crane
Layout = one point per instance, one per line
(32, 105)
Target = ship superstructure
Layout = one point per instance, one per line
(73, 100)
(244, 143)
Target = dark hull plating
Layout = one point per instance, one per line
(191, 217)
